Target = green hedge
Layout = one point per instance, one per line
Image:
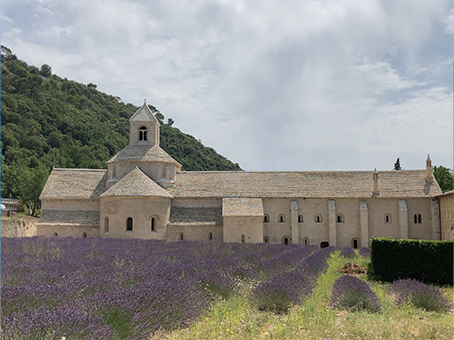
(428, 261)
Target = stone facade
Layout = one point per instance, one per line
(446, 211)
(144, 194)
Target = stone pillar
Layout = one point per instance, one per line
(332, 223)
(435, 219)
(364, 221)
(294, 221)
(403, 219)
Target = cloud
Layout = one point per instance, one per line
(273, 85)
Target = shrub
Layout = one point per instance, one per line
(364, 252)
(347, 252)
(352, 293)
(419, 295)
(424, 260)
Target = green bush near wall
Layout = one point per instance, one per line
(428, 261)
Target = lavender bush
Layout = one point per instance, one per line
(419, 295)
(347, 252)
(364, 252)
(352, 293)
(126, 289)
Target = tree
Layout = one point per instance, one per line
(397, 165)
(444, 177)
(46, 70)
(170, 121)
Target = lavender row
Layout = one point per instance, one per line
(106, 288)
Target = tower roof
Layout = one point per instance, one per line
(144, 114)
(142, 153)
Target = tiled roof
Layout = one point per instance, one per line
(143, 114)
(200, 215)
(74, 184)
(447, 193)
(327, 184)
(86, 218)
(142, 153)
(136, 183)
(242, 207)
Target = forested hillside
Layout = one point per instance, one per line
(48, 121)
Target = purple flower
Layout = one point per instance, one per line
(352, 293)
(347, 252)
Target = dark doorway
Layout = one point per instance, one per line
(324, 245)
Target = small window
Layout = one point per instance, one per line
(266, 240)
(153, 224)
(387, 219)
(181, 236)
(242, 238)
(306, 241)
(210, 236)
(55, 234)
(318, 219)
(84, 234)
(300, 218)
(106, 224)
(129, 224)
(266, 218)
(355, 243)
(143, 134)
(418, 218)
(281, 218)
(340, 218)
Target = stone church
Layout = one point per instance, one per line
(144, 194)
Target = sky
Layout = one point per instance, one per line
(273, 85)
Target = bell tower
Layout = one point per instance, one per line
(144, 127)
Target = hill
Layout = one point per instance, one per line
(49, 121)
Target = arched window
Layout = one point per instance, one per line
(306, 241)
(143, 134)
(285, 240)
(324, 244)
(266, 239)
(242, 238)
(387, 219)
(153, 224)
(300, 218)
(181, 236)
(419, 218)
(318, 218)
(355, 243)
(340, 218)
(55, 234)
(84, 234)
(266, 218)
(129, 224)
(281, 218)
(106, 224)
(210, 235)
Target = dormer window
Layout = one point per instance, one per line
(143, 134)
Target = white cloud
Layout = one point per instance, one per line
(273, 85)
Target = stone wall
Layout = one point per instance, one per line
(18, 226)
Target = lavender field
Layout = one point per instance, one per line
(128, 289)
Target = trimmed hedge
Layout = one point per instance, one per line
(424, 260)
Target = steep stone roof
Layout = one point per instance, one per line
(143, 114)
(196, 215)
(136, 183)
(326, 184)
(85, 218)
(74, 184)
(242, 207)
(142, 153)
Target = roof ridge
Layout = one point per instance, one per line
(78, 169)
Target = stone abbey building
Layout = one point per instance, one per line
(144, 194)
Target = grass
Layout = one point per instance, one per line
(237, 318)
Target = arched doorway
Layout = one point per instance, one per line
(324, 244)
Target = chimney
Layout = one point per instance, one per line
(429, 176)
(375, 177)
